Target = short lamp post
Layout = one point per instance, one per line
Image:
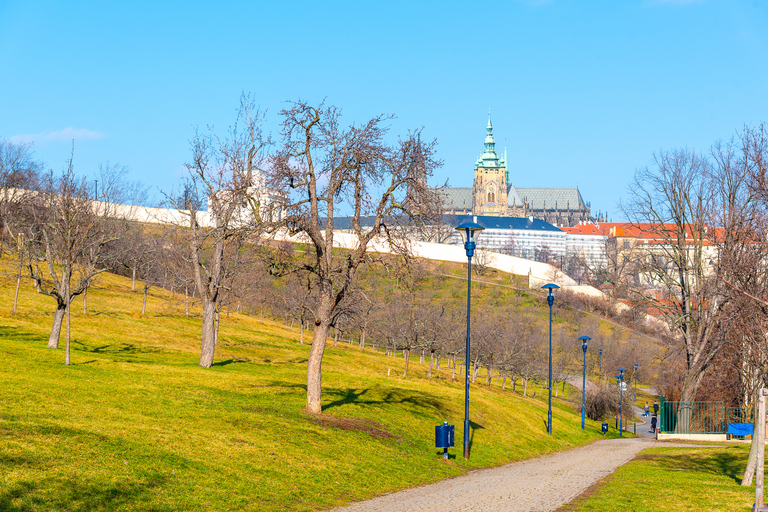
(551, 287)
(469, 233)
(600, 364)
(584, 340)
(636, 383)
(620, 382)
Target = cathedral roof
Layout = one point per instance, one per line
(513, 198)
(516, 223)
(551, 198)
(457, 198)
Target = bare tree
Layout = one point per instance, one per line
(482, 261)
(19, 174)
(67, 236)
(673, 202)
(220, 174)
(323, 166)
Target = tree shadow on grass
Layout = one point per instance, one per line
(228, 362)
(19, 334)
(396, 396)
(79, 495)
(719, 463)
(116, 348)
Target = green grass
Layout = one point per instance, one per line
(674, 479)
(135, 424)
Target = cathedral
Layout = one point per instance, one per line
(494, 195)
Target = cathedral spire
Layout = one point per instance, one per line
(490, 144)
(506, 167)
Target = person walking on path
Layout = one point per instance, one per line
(655, 408)
(653, 423)
(645, 409)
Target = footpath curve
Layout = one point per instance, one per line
(534, 485)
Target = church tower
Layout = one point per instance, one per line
(489, 194)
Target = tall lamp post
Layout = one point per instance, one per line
(551, 287)
(636, 383)
(620, 383)
(600, 363)
(584, 340)
(469, 233)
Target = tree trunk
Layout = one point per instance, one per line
(476, 369)
(209, 334)
(453, 371)
(217, 322)
(489, 377)
(749, 471)
(85, 300)
(336, 338)
(186, 300)
(68, 309)
(144, 302)
(421, 358)
(133, 279)
(58, 319)
(314, 368)
(301, 333)
(504, 381)
(687, 395)
(18, 284)
(431, 361)
(362, 340)
(407, 357)
(556, 389)
(525, 387)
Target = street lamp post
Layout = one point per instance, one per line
(620, 383)
(469, 233)
(600, 364)
(551, 287)
(584, 340)
(636, 383)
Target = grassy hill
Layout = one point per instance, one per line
(135, 424)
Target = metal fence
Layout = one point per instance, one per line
(691, 417)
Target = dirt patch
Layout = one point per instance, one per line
(370, 427)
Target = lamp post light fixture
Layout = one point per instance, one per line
(551, 287)
(469, 233)
(620, 383)
(636, 383)
(600, 364)
(584, 340)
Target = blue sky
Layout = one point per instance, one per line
(582, 93)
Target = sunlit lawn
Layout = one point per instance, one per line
(135, 424)
(675, 479)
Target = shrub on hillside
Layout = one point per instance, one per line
(602, 402)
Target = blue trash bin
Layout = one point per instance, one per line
(444, 437)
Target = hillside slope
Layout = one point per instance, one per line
(135, 424)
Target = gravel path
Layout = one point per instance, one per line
(535, 485)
